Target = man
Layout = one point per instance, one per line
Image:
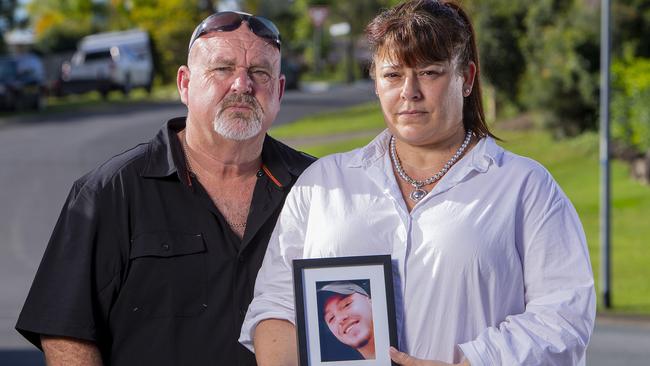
(155, 254)
(347, 312)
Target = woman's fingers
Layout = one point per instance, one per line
(401, 358)
(404, 359)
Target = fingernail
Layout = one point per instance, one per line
(393, 350)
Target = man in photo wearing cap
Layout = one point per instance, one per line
(346, 310)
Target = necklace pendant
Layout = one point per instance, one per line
(418, 194)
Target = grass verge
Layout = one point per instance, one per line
(74, 102)
(363, 117)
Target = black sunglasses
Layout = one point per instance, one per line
(228, 21)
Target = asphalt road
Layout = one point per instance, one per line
(41, 155)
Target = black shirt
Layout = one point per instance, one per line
(142, 263)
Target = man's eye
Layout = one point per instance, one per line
(260, 76)
(391, 75)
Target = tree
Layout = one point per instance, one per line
(630, 112)
(631, 75)
(562, 62)
(631, 33)
(356, 13)
(59, 25)
(499, 26)
(170, 24)
(7, 11)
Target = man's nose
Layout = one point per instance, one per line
(242, 83)
(341, 317)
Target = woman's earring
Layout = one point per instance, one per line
(467, 91)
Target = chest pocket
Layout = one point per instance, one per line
(168, 275)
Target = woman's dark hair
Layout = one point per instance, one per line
(420, 32)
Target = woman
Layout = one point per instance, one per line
(492, 265)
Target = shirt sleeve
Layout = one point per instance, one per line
(273, 293)
(67, 296)
(560, 300)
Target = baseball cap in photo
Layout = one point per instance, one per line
(343, 288)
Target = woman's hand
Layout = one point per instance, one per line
(403, 359)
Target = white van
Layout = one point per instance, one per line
(109, 61)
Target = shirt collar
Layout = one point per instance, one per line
(165, 156)
(482, 155)
(165, 152)
(485, 153)
(275, 163)
(369, 154)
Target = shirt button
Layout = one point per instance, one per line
(165, 246)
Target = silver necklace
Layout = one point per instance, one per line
(419, 193)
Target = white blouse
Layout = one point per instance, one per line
(492, 262)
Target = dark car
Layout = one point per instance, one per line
(22, 82)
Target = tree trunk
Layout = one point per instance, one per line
(640, 168)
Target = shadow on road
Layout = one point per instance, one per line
(21, 358)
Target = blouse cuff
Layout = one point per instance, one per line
(472, 352)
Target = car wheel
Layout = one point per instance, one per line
(126, 88)
(40, 101)
(10, 102)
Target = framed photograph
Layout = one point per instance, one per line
(345, 310)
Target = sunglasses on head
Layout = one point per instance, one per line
(228, 21)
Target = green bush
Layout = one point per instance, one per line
(561, 77)
(63, 36)
(630, 109)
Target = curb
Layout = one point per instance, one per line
(623, 319)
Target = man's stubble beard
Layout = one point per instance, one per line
(238, 126)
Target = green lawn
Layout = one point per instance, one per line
(159, 93)
(573, 163)
(359, 118)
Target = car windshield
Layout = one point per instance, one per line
(98, 55)
(7, 69)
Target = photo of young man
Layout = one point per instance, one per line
(345, 323)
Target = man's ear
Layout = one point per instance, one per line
(281, 85)
(182, 83)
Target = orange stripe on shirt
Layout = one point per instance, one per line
(270, 175)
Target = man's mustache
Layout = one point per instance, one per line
(233, 100)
